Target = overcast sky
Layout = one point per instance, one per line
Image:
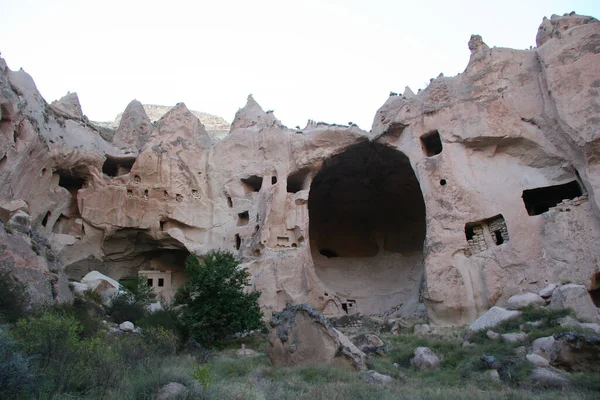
(328, 60)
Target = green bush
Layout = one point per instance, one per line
(131, 304)
(16, 369)
(215, 302)
(14, 299)
(165, 318)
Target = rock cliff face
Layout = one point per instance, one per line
(480, 187)
(216, 126)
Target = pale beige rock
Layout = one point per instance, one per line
(492, 375)
(577, 298)
(244, 352)
(424, 359)
(69, 105)
(493, 317)
(170, 391)
(549, 377)
(514, 337)
(414, 221)
(570, 321)
(422, 329)
(127, 326)
(134, 128)
(545, 347)
(107, 287)
(547, 291)
(300, 335)
(523, 300)
(538, 360)
(10, 208)
(375, 377)
(493, 335)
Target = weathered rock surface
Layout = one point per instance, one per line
(538, 360)
(547, 291)
(477, 188)
(545, 347)
(577, 351)
(170, 391)
(549, 377)
(107, 287)
(493, 317)
(513, 337)
(127, 326)
(369, 343)
(301, 335)
(69, 105)
(425, 358)
(577, 298)
(523, 300)
(375, 377)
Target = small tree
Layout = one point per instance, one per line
(216, 303)
(131, 304)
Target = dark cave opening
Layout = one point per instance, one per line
(252, 183)
(540, 200)
(117, 166)
(367, 225)
(297, 181)
(431, 143)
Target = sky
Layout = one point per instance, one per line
(328, 60)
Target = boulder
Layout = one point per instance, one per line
(523, 300)
(577, 298)
(170, 391)
(69, 105)
(107, 287)
(514, 337)
(549, 377)
(547, 291)
(9, 208)
(493, 317)
(244, 352)
(545, 347)
(422, 329)
(78, 288)
(20, 221)
(369, 343)
(570, 321)
(537, 360)
(127, 327)
(576, 351)
(300, 335)
(492, 335)
(425, 358)
(492, 375)
(374, 377)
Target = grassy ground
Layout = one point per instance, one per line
(461, 375)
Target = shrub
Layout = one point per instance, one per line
(13, 297)
(165, 318)
(216, 304)
(16, 369)
(202, 375)
(132, 303)
(53, 339)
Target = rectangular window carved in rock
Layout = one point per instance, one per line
(487, 233)
(243, 218)
(431, 143)
(540, 200)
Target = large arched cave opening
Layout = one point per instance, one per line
(367, 229)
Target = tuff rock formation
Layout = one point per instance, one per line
(480, 187)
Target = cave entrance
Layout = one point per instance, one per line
(367, 228)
